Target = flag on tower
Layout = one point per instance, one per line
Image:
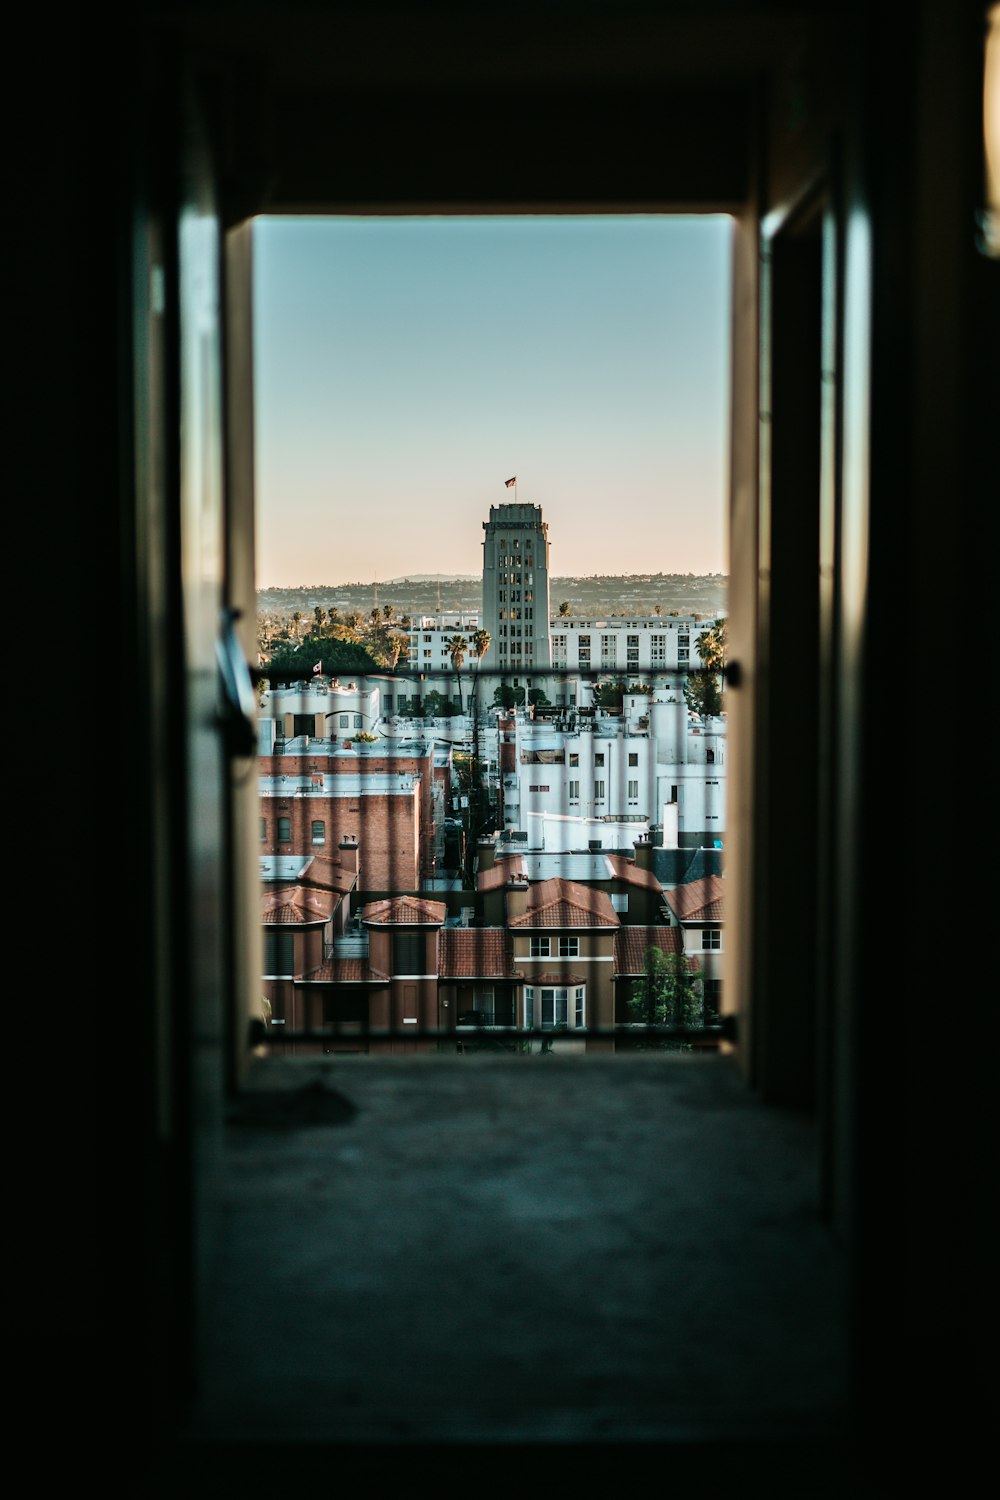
(508, 482)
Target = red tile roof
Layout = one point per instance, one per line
(627, 869)
(698, 900)
(474, 953)
(327, 872)
(565, 903)
(506, 867)
(556, 976)
(293, 905)
(631, 944)
(344, 971)
(406, 911)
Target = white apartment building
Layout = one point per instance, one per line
(582, 651)
(430, 638)
(653, 766)
(324, 709)
(647, 647)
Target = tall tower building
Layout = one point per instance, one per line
(516, 591)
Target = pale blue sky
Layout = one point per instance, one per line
(406, 367)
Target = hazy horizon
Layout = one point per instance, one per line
(354, 583)
(406, 368)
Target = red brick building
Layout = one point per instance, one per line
(311, 798)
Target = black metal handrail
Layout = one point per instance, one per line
(724, 1030)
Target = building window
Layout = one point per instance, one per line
(408, 953)
(263, 830)
(529, 1007)
(284, 830)
(598, 791)
(711, 938)
(633, 790)
(554, 1008)
(538, 788)
(484, 1004)
(599, 758)
(574, 758)
(539, 947)
(712, 990)
(619, 900)
(569, 947)
(318, 831)
(345, 720)
(579, 1014)
(574, 791)
(633, 758)
(279, 955)
(357, 721)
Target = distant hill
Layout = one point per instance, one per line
(432, 578)
(599, 596)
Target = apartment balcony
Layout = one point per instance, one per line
(392, 1237)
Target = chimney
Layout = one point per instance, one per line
(644, 852)
(349, 854)
(486, 850)
(517, 896)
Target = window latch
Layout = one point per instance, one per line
(237, 712)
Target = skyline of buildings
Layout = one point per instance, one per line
(432, 858)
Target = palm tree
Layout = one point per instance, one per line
(480, 645)
(711, 645)
(457, 647)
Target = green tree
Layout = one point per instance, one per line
(668, 994)
(480, 645)
(436, 705)
(564, 608)
(457, 647)
(609, 696)
(337, 655)
(711, 645)
(508, 697)
(392, 649)
(702, 695)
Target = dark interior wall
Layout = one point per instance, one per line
(933, 466)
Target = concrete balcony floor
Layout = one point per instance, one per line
(541, 1249)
